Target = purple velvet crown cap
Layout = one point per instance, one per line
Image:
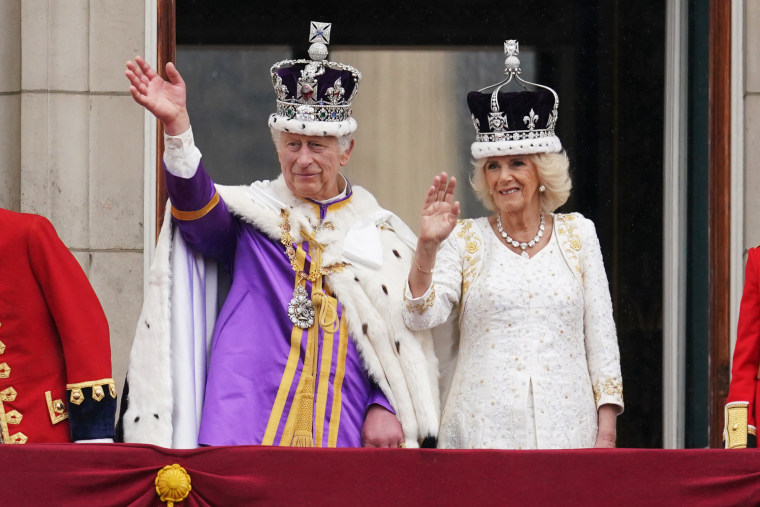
(290, 76)
(524, 123)
(516, 106)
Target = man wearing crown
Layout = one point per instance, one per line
(309, 348)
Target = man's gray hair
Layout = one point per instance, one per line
(344, 141)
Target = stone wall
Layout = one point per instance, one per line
(72, 143)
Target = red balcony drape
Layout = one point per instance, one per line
(124, 474)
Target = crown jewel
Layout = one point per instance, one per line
(512, 123)
(314, 96)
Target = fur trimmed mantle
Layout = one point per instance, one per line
(379, 249)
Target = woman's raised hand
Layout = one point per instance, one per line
(165, 99)
(439, 211)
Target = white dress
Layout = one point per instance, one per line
(536, 358)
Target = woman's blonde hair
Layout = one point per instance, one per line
(553, 173)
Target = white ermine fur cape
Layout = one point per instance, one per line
(379, 249)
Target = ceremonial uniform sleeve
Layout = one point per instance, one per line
(602, 351)
(83, 331)
(740, 424)
(197, 209)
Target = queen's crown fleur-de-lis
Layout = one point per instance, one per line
(530, 120)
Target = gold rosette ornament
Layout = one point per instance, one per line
(172, 484)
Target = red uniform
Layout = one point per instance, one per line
(741, 411)
(55, 354)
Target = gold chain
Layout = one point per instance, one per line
(287, 240)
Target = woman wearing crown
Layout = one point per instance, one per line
(537, 363)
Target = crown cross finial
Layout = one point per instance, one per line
(319, 36)
(511, 63)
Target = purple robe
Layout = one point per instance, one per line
(257, 355)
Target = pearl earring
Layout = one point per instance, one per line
(490, 191)
(542, 188)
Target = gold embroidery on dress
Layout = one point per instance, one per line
(572, 243)
(421, 307)
(472, 245)
(2, 348)
(5, 370)
(611, 386)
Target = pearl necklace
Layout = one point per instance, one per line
(516, 243)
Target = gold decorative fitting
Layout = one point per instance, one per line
(13, 417)
(18, 438)
(172, 484)
(736, 425)
(5, 370)
(56, 409)
(2, 348)
(575, 243)
(98, 387)
(76, 396)
(287, 241)
(8, 394)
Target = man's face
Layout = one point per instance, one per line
(310, 164)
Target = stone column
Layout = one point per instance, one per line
(77, 155)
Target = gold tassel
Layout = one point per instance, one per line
(304, 405)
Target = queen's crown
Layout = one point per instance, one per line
(513, 123)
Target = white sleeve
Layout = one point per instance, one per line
(435, 306)
(602, 351)
(181, 156)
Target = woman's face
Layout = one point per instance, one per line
(513, 182)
